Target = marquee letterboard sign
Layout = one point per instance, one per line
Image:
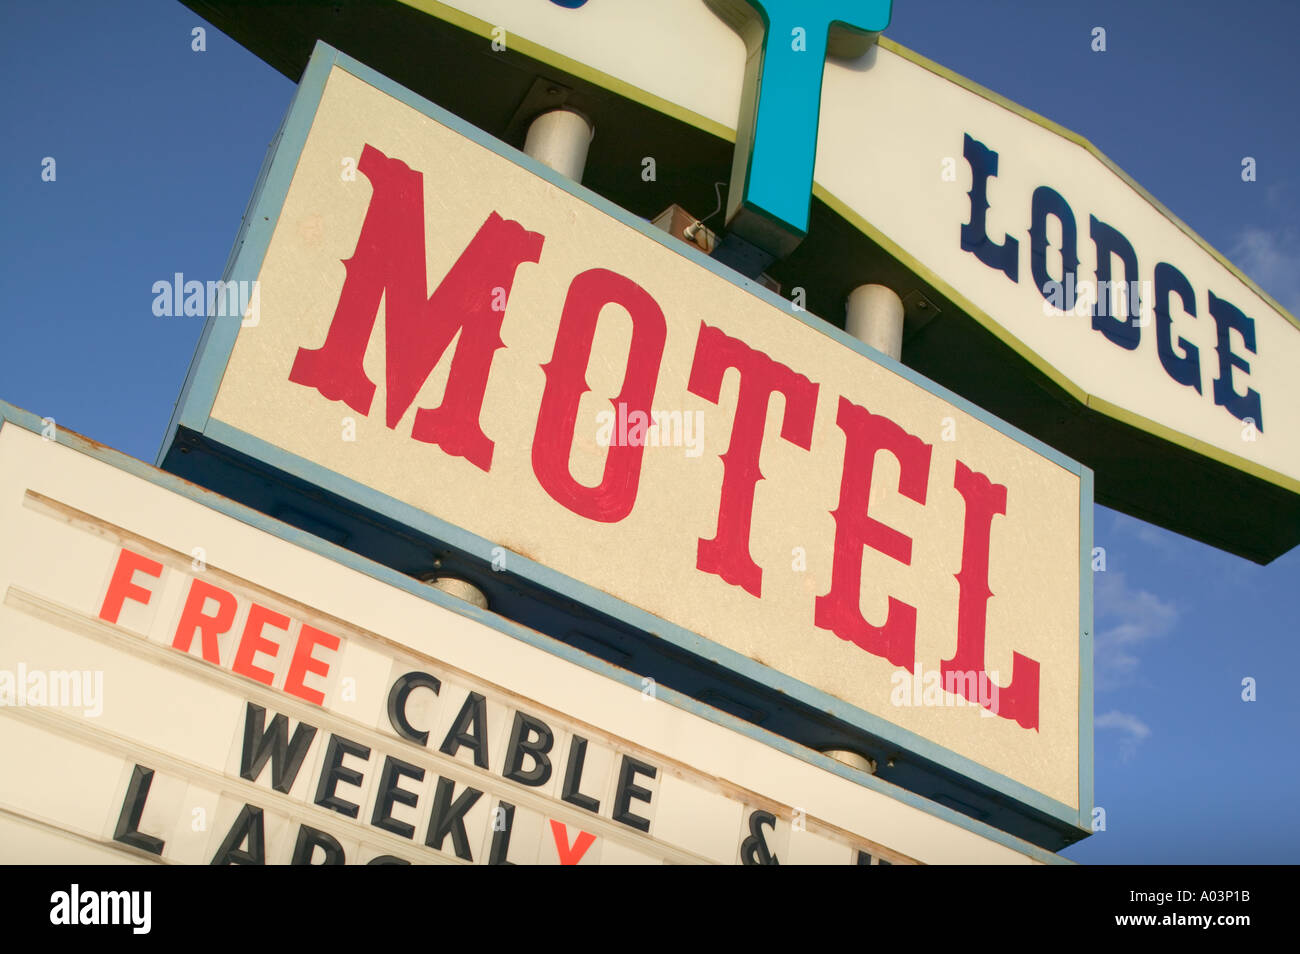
(456, 340)
(182, 684)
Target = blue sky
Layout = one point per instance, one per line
(158, 147)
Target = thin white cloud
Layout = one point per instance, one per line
(1272, 258)
(1277, 192)
(1125, 618)
(1165, 542)
(1153, 536)
(1134, 730)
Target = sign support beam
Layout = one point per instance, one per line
(874, 315)
(559, 139)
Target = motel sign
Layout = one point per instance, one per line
(840, 520)
(740, 588)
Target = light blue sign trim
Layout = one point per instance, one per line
(1086, 643)
(194, 410)
(244, 263)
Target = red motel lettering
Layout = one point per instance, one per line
(1019, 700)
(727, 553)
(612, 499)
(389, 264)
(840, 610)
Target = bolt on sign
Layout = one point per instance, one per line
(457, 340)
(1069, 301)
(186, 685)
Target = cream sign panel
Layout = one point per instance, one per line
(1030, 231)
(167, 695)
(1074, 262)
(444, 326)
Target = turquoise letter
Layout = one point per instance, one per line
(786, 42)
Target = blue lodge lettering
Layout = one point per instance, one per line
(1179, 358)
